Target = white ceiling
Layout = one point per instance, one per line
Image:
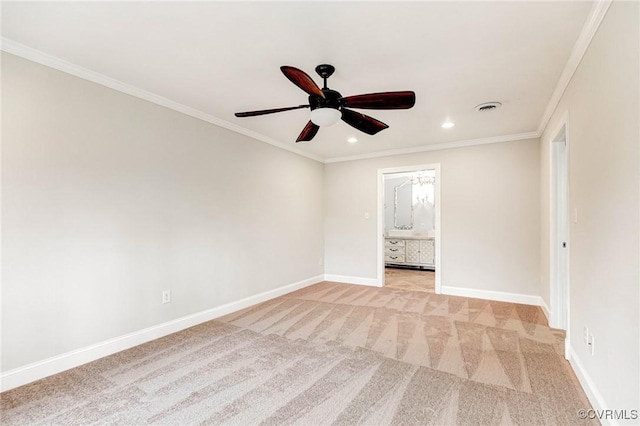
(224, 57)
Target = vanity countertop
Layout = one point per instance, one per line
(410, 237)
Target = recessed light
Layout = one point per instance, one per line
(352, 140)
(447, 125)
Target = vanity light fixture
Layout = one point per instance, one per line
(352, 140)
(448, 124)
(422, 180)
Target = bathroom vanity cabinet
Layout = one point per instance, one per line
(410, 251)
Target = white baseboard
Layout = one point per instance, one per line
(594, 396)
(353, 280)
(545, 310)
(47, 367)
(499, 296)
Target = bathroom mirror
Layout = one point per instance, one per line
(403, 205)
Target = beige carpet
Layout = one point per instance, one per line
(328, 354)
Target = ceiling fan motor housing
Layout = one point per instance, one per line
(330, 100)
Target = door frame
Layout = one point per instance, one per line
(559, 272)
(381, 218)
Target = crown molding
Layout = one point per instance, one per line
(51, 61)
(437, 147)
(591, 25)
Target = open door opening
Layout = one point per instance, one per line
(409, 228)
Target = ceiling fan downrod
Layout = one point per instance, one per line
(325, 71)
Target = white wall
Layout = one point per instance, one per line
(601, 102)
(489, 215)
(108, 199)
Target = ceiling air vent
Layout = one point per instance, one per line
(488, 106)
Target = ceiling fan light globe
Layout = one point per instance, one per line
(324, 117)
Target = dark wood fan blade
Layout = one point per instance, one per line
(362, 122)
(385, 100)
(308, 132)
(268, 111)
(302, 80)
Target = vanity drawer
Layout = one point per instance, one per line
(394, 250)
(394, 258)
(391, 242)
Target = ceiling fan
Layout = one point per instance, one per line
(328, 106)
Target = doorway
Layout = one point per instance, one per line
(416, 228)
(559, 239)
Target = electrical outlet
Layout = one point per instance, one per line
(166, 296)
(585, 335)
(591, 344)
